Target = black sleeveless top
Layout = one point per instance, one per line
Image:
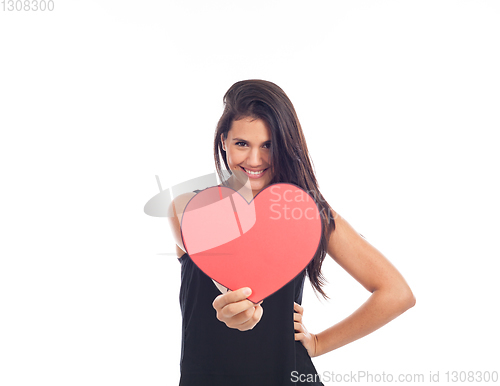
(214, 354)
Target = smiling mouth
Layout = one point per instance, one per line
(257, 173)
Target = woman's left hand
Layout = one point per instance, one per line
(308, 340)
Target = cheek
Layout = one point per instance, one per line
(232, 159)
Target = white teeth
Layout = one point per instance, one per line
(254, 173)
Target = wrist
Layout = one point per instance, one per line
(316, 346)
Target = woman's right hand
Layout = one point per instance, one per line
(236, 311)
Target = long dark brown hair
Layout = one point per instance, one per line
(290, 160)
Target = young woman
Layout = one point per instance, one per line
(227, 339)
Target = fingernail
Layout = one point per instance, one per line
(247, 291)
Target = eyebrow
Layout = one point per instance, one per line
(244, 140)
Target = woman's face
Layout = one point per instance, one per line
(247, 151)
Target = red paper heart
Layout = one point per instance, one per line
(263, 244)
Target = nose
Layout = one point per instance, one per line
(254, 158)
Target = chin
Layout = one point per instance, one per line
(260, 186)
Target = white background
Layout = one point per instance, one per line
(399, 102)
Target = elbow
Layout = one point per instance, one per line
(412, 300)
(400, 297)
(406, 298)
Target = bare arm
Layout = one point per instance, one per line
(391, 295)
(174, 218)
(176, 209)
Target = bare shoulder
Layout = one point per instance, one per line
(360, 259)
(179, 203)
(344, 239)
(175, 211)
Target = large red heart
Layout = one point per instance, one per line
(263, 244)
